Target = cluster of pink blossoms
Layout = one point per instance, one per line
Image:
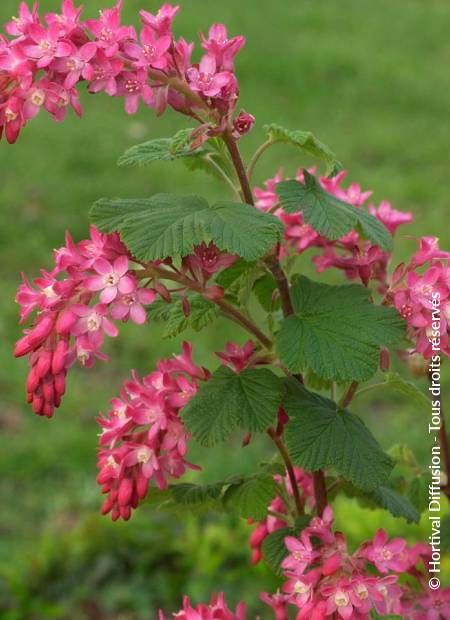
(278, 507)
(409, 288)
(75, 305)
(423, 297)
(44, 61)
(356, 257)
(216, 610)
(143, 437)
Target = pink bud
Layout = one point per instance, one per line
(38, 404)
(214, 293)
(125, 491)
(142, 487)
(186, 307)
(23, 347)
(242, 124)
(32, 381)
(48, 410)
(59, 357)
(65, 322)
(48, 391)
(41, 331)
(385, 360)
(163, 291)
(44, 363)
(60, 383)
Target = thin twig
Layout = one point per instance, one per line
(299, 504)
(254, 160)
(348, 396)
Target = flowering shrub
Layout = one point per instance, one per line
(182, 261)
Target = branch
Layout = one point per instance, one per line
(230, 310)
(299, 504)
(236, 158)
(348, 396)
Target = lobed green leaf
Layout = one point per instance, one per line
(320, 435)
(249, 400)
(336, 331)
(329, 216)
(170, 225)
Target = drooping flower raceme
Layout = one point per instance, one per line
(143, 437)
(70, 322)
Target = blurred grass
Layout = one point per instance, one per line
(370, 79)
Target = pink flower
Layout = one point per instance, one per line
(102, 73)
(339, 599)
(428, 250)
(108, 31)
(94, 323)
(161, 23)
(68, 20)
(46, 45)
(12, 118)
(237, 358)
(221, 47)
(206, 80)
(131, 305)
(215, 610)
(301, 554)
(243, 124)
(436, 604)
(151, 53)
(207, 260)
(18, 26)
(385, 555)
(134, 86)
(75, 64)
(390, 217)
(111, 280)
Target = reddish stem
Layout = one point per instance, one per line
(299, 504)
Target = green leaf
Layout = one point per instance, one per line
(160, 149)
(396, 504)
(319, 435)
(336, 331)
(328, 215)
(251, 497)
(418, 491)
(264, 289)
(397, 382)
(187, 493)
(202, 313)
(170, 225)
(307, 143)
(249, 400)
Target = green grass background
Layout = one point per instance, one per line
(372, 80)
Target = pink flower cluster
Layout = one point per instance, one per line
(216, 610)
(423, 297)
(358, 258)
(278, 507)
(143, 437)
(69, 321)
(325, 580)
(44, 61)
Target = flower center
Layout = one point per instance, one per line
(111, 279)
(341, 599)
(148, 51)
(45, 45)
(94, 322)
(132, 86)
(10, 115)
(106, 34)
(406, 311)
(38, 98)
(143, 455)
(301, 588)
